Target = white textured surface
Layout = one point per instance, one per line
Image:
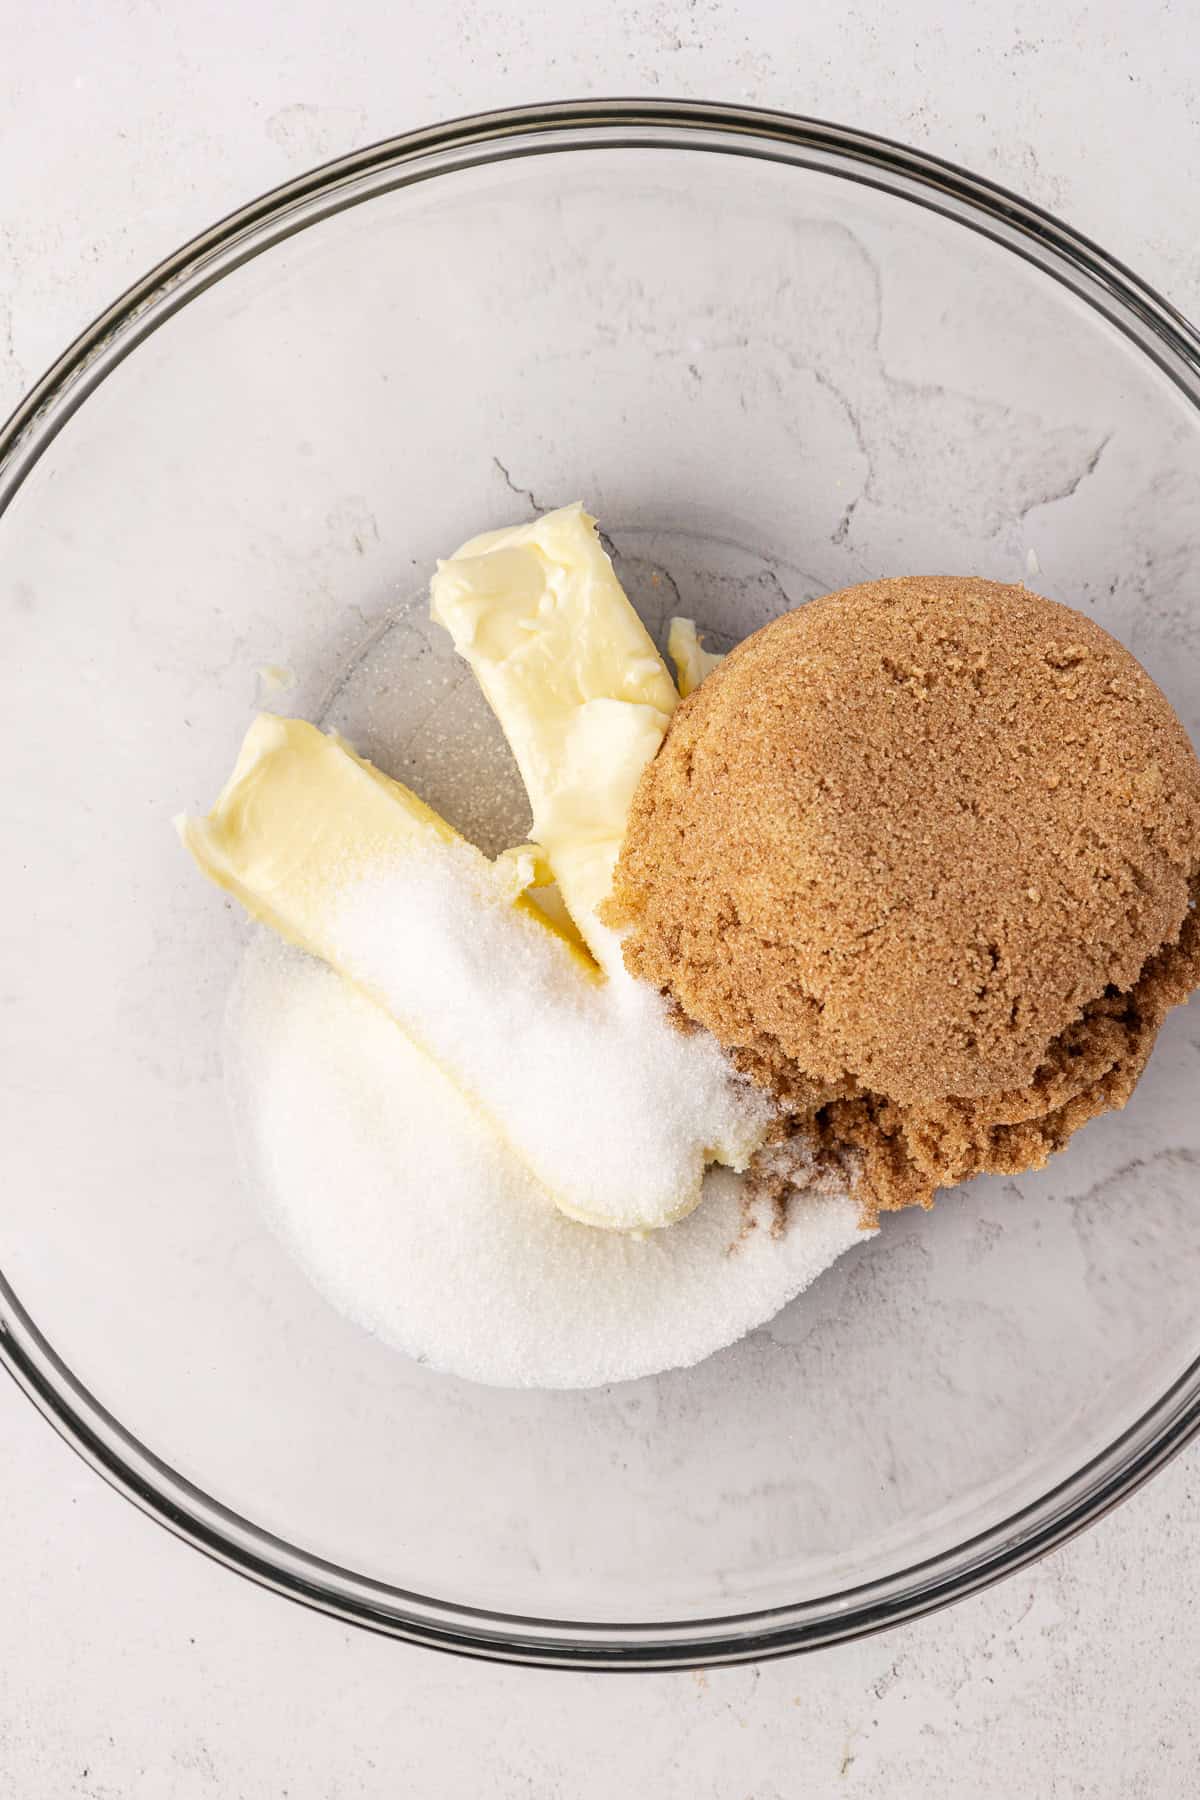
(132, 1667)
(473, 1268)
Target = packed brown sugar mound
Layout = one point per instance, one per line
(924, 856)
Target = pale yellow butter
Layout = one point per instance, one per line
(574, 679)
(302, 817)
(692, 661)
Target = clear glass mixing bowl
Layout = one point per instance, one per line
(776, 358)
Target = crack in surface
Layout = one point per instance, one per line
(843, 528)
(903, 387)
(522, 493)
(1178, 1155)
(1070, 488)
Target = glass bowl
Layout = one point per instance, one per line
(776, 358)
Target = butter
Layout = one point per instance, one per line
(585, 1079)
(692, 661)
(299, 813)
(575, 680)
(302, 816)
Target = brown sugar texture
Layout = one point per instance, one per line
(924, 856)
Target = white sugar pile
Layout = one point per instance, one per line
(613, 1108)
(407, 1211)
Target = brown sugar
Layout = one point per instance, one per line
(924, 856)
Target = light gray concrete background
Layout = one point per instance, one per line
(132, 1669)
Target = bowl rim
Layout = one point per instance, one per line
(132, 1467)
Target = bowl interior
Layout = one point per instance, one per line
(768, 381)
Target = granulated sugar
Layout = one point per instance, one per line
(412, 1217)
(612, 1107)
